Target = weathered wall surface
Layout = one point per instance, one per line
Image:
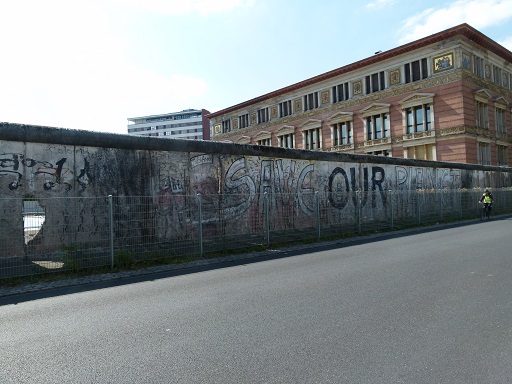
(44, 162)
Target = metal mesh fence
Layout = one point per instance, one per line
(62, 234)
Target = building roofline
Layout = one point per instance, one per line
(166, 114)
(460, 30)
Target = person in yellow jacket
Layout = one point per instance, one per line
(487, 200)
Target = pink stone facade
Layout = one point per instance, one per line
(465, 91)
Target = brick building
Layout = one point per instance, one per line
(446, 97)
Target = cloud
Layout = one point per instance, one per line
(203, 7)
(477, 13)
(63, 72)
(379, 4)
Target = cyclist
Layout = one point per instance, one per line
(487, 199)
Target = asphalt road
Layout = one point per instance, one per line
(433, 307)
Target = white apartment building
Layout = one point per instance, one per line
(189, 124)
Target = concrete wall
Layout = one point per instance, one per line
(45, 163)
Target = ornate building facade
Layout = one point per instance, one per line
(446, 97)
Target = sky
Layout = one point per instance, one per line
(92, 64)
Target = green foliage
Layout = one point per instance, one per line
(123, 259)
(72, 256)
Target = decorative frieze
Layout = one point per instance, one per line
(342, 147)
(460, 130)
(418, 135)
(443, 63)
(385, 140)
(326, 98)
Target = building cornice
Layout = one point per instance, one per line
(462, 30)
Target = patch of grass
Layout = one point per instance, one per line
(123, 259)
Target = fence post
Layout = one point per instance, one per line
(317, 206)
(418, 203)
(460, 203)
(267, 219)
(200, 224)
(391, 207)
(441, 212)
(359, 208)
(111, 229)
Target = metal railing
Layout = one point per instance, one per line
(62, 234)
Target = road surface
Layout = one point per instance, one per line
(431, 307)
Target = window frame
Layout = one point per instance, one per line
(501, 154)
(373, 114)
(286, 134)
(340, 92)
(337, 123)
(500, 119)
(482, 109)
(422, 70)
(478, 66)
(243, 121)
(285, 108)
(264, 138)
(263, 115)
(484, 152)
(375, 82)
(310, 98)
(312, 135)
(226, 126)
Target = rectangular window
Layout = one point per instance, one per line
(501, 126)
(377, 126)
(482, 115)
(484, 153)
(496, 73)
(286, 141)
(285, 108)
(265, 142)
(312, 139)
(243, 121)
(384, 152)
(340, 93)
(375, 82)
(502, 154)
(262, 115)
(418, 119)
(311, 101)
(417, 70)
(226, 126)
(421, 152)
(342, 133)
(478, 66)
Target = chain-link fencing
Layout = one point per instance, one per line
(63, 234)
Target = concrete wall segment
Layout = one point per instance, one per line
(153, 180)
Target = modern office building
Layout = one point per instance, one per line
(445, 97)
(188, 124)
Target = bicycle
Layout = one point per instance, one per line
(485, 213)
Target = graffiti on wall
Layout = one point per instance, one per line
(14, 164)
